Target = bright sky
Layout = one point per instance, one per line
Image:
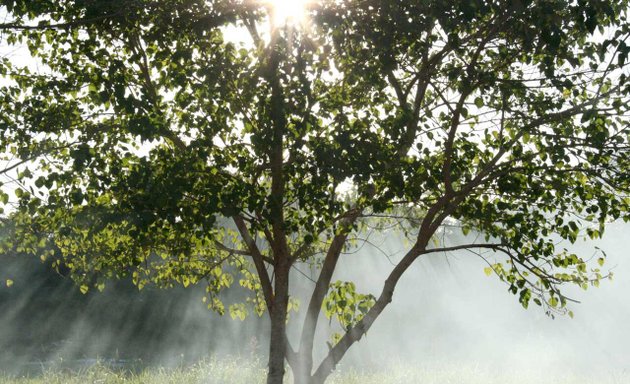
(288, 11)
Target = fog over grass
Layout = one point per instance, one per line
(447, 318)
(240, 371)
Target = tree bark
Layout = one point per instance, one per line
(278, 341)
(354, 334)
(314, 308)
(282, 261)
(302, 376)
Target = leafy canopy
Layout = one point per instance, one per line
(144, 137)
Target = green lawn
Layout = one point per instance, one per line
(242, 371)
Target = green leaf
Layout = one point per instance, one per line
(238, 311)
(488, 271)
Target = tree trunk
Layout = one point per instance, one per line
(303, 377)
(355, 333)
(277, 343)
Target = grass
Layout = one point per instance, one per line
(243, 371)
(219, 371)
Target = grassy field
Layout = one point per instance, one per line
(241, 371)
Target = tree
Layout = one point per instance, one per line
(152, 143)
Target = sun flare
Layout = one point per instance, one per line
(288, 11)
